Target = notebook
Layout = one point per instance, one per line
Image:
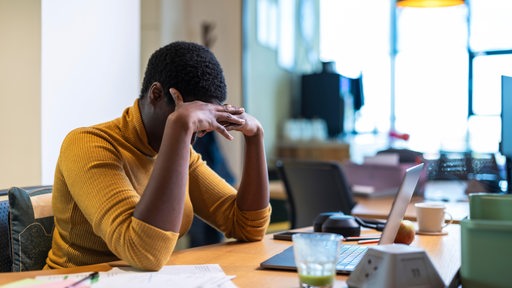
(285, 260)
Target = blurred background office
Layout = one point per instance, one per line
(431, 73)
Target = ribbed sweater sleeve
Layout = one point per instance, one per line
(214, 200)
(103, 194)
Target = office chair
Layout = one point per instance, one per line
(6, 259)
(314, 187)
(5, 255)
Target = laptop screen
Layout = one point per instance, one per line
(400, 203)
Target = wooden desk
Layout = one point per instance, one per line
(379, 208)
(243, 260)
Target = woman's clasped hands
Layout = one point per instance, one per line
(207, 117)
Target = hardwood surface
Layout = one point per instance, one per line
(243, 259)
(379, 208)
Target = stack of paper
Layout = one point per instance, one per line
(187, 276)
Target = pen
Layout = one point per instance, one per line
(368, 241)
(357, 238)
(92, 277)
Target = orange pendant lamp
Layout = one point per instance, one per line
(428, 3)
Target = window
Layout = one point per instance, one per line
(276, 29)
(442, 99)
(432, 77)
(357, 40)
(490, 57)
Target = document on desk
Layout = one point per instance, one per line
(188, 276)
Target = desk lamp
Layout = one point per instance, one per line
(428, 3)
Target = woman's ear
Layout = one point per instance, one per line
(156, 92)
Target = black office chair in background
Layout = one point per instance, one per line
(314, 187)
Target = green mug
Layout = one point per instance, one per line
(490, 206)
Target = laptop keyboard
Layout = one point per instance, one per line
(350, 255)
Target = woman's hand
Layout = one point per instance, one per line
(206, 117)
(249, 128)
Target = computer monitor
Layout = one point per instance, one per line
(356, 89)
(322, 96)
(506, 126)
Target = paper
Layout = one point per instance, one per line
(390, 159)
(22, 283)
(41, 283)
(187, 276)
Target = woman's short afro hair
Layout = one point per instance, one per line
(188, 67)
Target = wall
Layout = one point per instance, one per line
(30, 159)
(226, 15)
(20, 86)
(164, 21)
(268, 88)
(93, 75)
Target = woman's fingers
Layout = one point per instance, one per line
(210, 117)
(233, 118)
(226, 119)
(176, 96)
(233, 109)
(222, 131)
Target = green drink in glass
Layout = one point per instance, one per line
(316, 255)
(317, 281)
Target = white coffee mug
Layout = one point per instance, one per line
(432, 217)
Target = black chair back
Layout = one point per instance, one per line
(314, 187)
(5, 255)
(6, 263)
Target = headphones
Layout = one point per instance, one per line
(346, 225)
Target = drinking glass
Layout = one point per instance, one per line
(316, 255)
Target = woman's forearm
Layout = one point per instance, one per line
(162, 202)
(253, 193)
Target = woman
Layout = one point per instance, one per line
(128, 188)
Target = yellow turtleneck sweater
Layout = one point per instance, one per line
(100, 175)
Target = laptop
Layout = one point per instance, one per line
(351, 254)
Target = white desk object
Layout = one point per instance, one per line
(395, 265)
